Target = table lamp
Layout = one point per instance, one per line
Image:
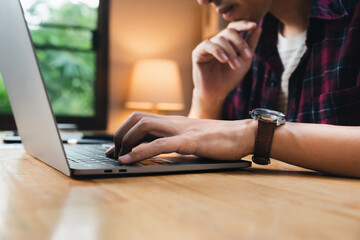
(155, 85)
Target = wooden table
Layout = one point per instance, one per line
(278, 201)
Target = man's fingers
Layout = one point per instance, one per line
(126, 126)
(253, 38)
(227, 47)
(240, 45)
(234, 46)
(145, 127)
(254, 35)
(242, 26)
(230, 51)
(148, 150)
(110, 152)
(215, 50)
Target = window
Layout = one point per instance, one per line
(71, 42)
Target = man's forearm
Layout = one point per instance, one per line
(326, 148)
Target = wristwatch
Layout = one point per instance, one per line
(268, 120)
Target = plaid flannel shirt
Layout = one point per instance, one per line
(325, 86)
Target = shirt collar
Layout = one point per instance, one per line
(328, 9)
(321, 9)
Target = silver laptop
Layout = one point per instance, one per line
(35, 119)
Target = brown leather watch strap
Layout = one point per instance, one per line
(263, 142)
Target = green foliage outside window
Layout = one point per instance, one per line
(63, 44)
(4, 102)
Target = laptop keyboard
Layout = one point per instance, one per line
(91, 155)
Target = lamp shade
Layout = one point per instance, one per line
(155, 84)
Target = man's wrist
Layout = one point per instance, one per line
(268, 121)
(205, 106)
(252, 126)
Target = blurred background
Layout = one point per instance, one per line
(65, 37)
(62, 35)
(141, 29)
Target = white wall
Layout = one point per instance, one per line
(151, 29)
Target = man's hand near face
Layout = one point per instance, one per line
(219, 65)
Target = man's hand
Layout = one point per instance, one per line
(223, 140)
(321, 147)
(219, 64)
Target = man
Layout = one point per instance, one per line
(255, 63)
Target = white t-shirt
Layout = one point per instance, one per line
(290, 50)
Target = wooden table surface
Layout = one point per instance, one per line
(278, 201)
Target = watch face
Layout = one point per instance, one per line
(268, 115)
